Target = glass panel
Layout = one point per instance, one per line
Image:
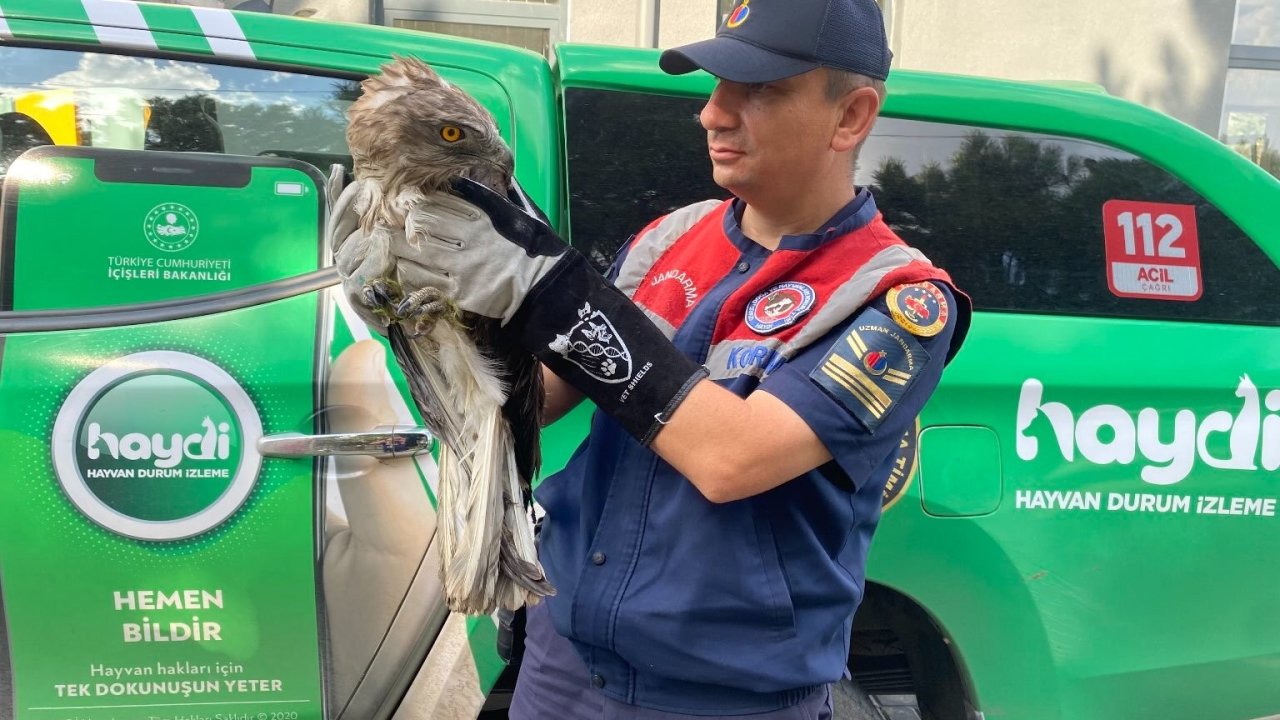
(530, 38)
(1251, 116)
(1257, 22)
(723, 7)
(631, 158)
(1017, 218)
(133, 103)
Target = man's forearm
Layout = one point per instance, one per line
(731, 448)
(559, 397)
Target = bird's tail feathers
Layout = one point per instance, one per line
(492, 561)
(488, 558)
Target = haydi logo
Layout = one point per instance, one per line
(1243, 438)
(212, 444)
(157, 445)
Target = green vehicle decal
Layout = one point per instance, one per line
(1089, 522)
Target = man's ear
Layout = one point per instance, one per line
(858, 111)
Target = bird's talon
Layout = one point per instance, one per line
(381, 293)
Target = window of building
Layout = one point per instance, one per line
(1251, 105)
(530, 24)
(1017, 218)
(723, 8)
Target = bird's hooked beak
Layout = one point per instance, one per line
(496, 170)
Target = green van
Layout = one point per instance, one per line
(215, 500)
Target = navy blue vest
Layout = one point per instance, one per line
(679, 604)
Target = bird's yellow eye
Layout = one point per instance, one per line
(451, 133)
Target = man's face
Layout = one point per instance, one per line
(771, 141)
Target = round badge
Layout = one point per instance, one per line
(920, 308)
(875, 362)
(739, 15)
(171, 227)
(780, 306)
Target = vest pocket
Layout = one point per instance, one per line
(719, 612)
(774, 575)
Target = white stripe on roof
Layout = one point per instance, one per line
(4, 26)
(119, 23)
(223, 32)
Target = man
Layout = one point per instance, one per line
(708, 539)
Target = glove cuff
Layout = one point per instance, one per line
(590, 334)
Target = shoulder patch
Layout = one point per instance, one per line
(920, 307)
(779, 306)
(871, 367)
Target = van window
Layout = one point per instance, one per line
(632, 157)
(1016, 218)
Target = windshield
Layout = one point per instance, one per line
(67, 97)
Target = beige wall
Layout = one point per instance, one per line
(607, 22)
(629, 22)
(685, 21)
(1170, 55)
(341, 10)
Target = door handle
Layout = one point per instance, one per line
(384, 441)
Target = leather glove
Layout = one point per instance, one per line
(359, 257)
(448, 239)
(486, 260)
(501, 260)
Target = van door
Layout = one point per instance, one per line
(1081, 524)
(1104, 480)
(314, 594)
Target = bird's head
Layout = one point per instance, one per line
(410, 127)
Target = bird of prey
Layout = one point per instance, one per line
(411, 133)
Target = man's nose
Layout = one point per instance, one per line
(721, 110)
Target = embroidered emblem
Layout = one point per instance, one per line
(594, 346)
(739, 14)
(876, 362)
(780, 306)
(921, 308)
(848, 372)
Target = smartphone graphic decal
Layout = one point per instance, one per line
(151, 557)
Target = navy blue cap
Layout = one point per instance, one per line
(767, 40)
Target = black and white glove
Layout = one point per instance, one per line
(501, 260)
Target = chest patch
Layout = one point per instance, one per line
(921, 308)
(780, 306)
(871, 367)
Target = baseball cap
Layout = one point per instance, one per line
(767, 40)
